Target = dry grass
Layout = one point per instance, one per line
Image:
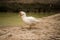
(47, 29)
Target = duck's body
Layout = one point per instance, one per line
(28, 20)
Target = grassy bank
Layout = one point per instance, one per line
(14, 18)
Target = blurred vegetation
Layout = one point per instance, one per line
(35, 7)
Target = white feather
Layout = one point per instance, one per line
(28, 20)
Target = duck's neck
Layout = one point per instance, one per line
(23, 16)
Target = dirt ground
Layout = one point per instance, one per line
(47, 29)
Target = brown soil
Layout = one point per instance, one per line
(47, 29)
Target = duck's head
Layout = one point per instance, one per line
(22, 13)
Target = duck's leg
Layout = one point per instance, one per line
(31, 26)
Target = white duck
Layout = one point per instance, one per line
(28, 20)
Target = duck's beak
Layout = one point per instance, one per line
(20, 14)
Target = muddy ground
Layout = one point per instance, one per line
(47, 29)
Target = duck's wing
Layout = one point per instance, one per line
(32, 19)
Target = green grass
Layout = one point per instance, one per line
(14, 19)
(10, 19)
